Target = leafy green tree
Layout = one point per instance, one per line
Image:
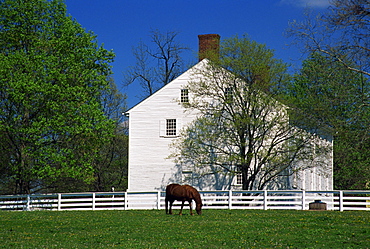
(242, 128)
(333, 96)
(340, 35)
(52, 74)
(111, 163)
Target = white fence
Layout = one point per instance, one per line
(267, 199)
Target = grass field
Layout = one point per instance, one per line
(214, 229)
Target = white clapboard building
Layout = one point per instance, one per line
(156, 121)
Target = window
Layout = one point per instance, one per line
(187, 177)
(239, 179)
(170, 127)
(228, 94)
(184, 96)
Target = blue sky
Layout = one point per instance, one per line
(121, 24)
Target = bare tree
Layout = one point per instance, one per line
(156, 64)
(342, 33)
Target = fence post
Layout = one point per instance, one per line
(113, 206)
(341, 201)
(265, 200)
(125, 205)
(303, 199)
(93, 201)
(159, 200)
(230, 199)
(59, 201)
(28, 203)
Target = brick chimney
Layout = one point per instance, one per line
(209, 46)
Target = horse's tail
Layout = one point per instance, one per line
(166, 203)
(169, 190)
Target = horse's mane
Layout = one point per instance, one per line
(193, 193)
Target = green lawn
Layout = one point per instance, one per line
(214, 229)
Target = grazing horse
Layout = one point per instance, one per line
(183, 193)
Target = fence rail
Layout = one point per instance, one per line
(231, 199)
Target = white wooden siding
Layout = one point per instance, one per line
(149, 169)
(148, 144)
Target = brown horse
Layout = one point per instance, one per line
(183, 193)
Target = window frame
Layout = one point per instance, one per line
(184, 95)
(175, 129)
(228, 94)
(238, 179)
(171, 127)
(187, 177)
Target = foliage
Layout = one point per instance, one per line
(242, 128)
(338, 43)
(52, 74)
(110, 164)
(333, 97)
(213, 229)
(156, 65)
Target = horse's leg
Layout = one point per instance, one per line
(191, 211)
(182, 205)
(171, 202)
